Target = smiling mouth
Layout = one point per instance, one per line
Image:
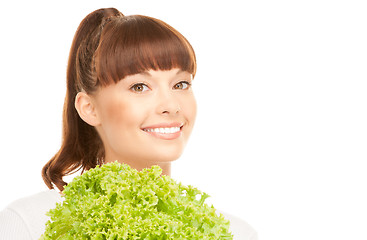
(163, 130)
(165, 133)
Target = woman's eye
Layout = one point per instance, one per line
(182, 85)
(139, 87)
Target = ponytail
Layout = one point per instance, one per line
(81, 146)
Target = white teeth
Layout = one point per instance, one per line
(163, 130)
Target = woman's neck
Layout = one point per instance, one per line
(165, 166)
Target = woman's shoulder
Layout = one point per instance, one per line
(240, 229)
(42, 200)
(29, 213)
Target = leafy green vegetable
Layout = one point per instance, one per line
(117, 202)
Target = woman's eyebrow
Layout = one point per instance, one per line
(182, 71)
(145, 73)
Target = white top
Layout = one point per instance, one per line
(25, 218)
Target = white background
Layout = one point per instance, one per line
(281, 132)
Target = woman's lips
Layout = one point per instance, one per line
(165, 131)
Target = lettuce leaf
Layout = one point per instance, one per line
(115, 201)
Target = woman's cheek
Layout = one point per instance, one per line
(191, 108)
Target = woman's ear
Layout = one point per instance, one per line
(86, 109)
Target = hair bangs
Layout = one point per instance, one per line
(135, 44)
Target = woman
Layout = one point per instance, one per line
(128, 98)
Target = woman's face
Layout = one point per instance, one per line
(146, 118)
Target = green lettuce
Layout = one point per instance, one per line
(115, 201)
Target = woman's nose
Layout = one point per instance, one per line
(168, 104)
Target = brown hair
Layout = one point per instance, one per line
(107, 47)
